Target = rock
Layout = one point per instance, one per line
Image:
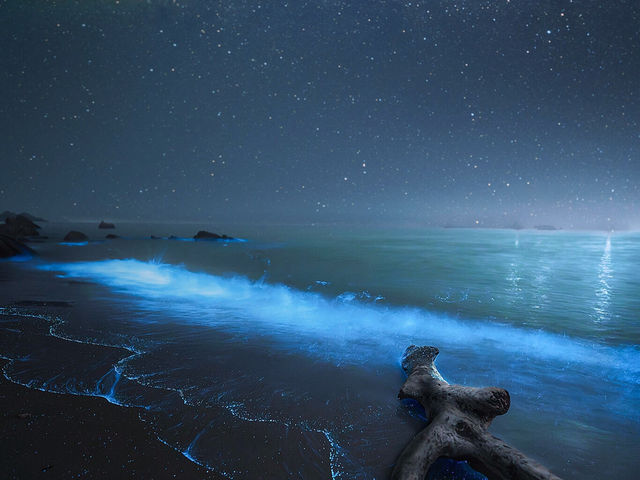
(33, 218)
(10, 247)
(74, 236)
(6, 214)
(111, 236)
(19, 226)
(153, 237)
(204, 235)
(104, 224)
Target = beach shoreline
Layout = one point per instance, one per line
(72, 436)
(278, 360)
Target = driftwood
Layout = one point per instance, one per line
(459, 417)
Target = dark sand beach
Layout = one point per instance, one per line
(50, 435)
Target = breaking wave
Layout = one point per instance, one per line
(338, 328)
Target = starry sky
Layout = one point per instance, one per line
(487, 113)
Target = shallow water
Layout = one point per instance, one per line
(279, 355)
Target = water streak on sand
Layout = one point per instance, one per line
(106, 388)
(189, 457)
(335, 451)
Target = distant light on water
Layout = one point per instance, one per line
(605, 276)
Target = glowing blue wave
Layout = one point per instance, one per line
(339, 328)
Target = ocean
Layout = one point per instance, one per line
(278, 355)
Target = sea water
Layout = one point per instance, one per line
(278, 356)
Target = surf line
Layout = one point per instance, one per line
(381, 331)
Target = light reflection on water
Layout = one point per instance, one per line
(605, 276)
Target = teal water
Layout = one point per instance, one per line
(554, 317)
(584, 284)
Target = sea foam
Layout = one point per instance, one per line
(337, 328)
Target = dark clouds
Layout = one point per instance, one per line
(385, 111)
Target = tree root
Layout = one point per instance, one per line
(459, 417)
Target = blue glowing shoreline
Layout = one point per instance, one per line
(365, 329)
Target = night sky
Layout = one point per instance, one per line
(488, 113)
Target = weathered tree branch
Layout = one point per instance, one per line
(459, 417)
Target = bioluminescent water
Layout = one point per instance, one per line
(341, 328)
(279, 356)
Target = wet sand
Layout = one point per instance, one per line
(49, 435)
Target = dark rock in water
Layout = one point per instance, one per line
(204, 235)
(6, 214)
(153, 237)
(74, 236)
(33, 218)
(111, 236)
(19, 226)
(10, 247)
(104, 224)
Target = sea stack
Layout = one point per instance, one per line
(204, 235)
(74, 236)
(19, 226)
(104, 224)
(7, 213)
